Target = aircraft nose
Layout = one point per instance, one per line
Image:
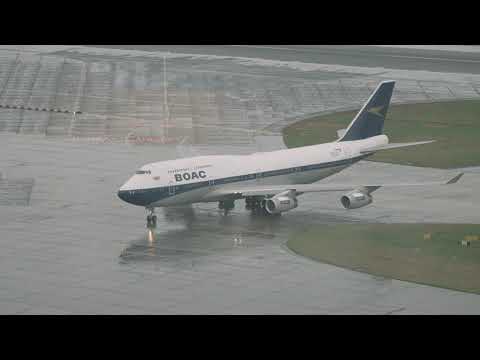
(127, 192)
(122, 194)
(134, 197)
(129, 196)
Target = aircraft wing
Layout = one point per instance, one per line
(266, 190)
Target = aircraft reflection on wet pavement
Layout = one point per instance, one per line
(189, 234)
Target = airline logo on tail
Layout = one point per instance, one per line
(377, 110)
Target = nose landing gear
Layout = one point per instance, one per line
(151, 218)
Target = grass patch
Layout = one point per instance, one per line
(455, 126)
(429, 254)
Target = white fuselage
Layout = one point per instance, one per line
(191, 180)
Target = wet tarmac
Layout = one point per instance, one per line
(69, 245)
(420, 58)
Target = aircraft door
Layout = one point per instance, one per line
(171, 189)
(347, 150)
(258, 175)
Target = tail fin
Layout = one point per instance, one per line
(369, 120)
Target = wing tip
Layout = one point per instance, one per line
(455, 179)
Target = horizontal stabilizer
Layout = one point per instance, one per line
(341, 132)
(394, 146)
(455, 179)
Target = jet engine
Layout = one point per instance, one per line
(356, 199)
(280, 203)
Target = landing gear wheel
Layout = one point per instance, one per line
(226, 206)
(151, 219)
(261, 211)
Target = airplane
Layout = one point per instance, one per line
(270, 182)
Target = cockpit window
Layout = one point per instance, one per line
(143, 172)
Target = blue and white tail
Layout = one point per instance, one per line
(369, 120)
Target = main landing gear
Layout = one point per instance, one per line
(226, 206)
(151, 218)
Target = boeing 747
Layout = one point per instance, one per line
(270, 182)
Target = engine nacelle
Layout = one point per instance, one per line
(356, 199)
(280, 203)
